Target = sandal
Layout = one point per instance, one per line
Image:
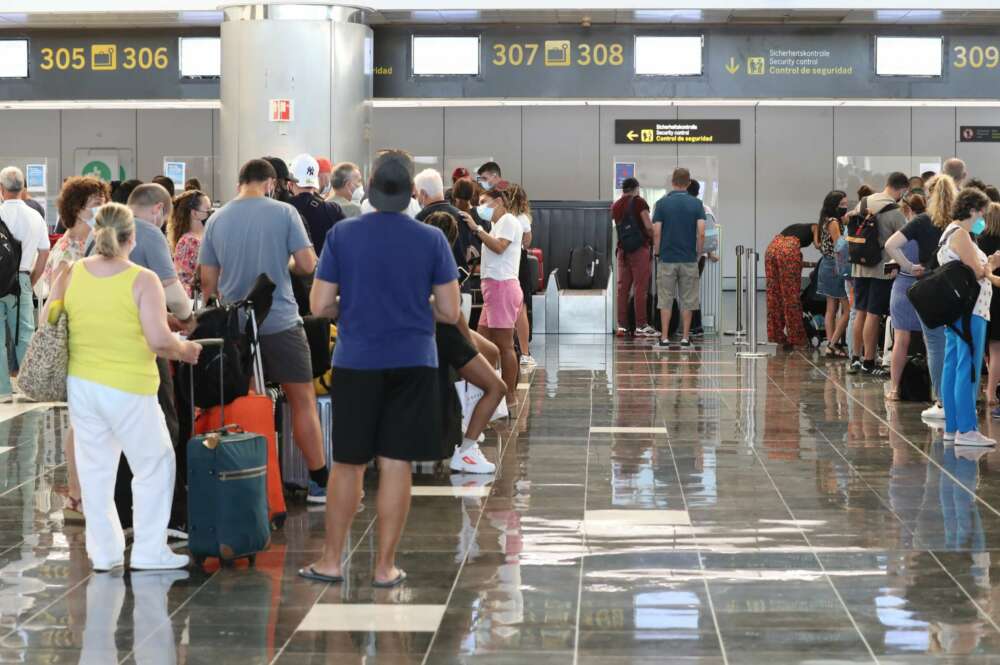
(893, 396)
(73, 510)
(835, 352)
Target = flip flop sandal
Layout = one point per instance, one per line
(310, 573)
(391, 583)
(73, 510)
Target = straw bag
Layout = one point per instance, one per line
(46, 363)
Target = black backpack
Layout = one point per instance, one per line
(945, 295)
(10, 262)
(915, 384)
(10, 269)
(630, 235)
(582, 267)
(863, 245)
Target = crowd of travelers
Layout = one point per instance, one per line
(916, 227)
(132, 263)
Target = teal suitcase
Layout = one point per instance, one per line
(227, 493)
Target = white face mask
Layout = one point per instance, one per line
(93, 216)
(358, 194)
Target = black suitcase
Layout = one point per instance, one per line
(227, 491)
(582, 267)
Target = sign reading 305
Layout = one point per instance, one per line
(558, 53)
(104, 58)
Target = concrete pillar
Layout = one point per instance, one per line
(317, 56)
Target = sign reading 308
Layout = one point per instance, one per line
(558, 53)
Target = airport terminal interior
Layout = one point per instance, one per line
(768, 484)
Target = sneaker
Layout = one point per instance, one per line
(528, 361)
(647, 331)
(663, 344)
(949, 436)
(175, 533)
(876, 372)
(995, 413)
(620, 332)
(935, 412)
(316, 493)
(685, 343)
(698, 332)
(471, 460)
(6, 399)
(855, 367)
(109, 567)
(973, 438)
(167, 561)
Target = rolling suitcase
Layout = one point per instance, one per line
(227, 491)
(537, 253)
(583, 263)
(294, 470)
(254, 412)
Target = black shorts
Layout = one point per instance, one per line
(454, 350)
(285, 356)
(872, 295)
(392, 413)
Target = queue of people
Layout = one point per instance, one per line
(921, 223)
(127, 274)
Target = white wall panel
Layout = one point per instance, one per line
(103, 129)
(173, 133)
(556, 140)
(485, 132)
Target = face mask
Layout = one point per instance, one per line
(978, 226)
(485, 185)
(358, 195)
(93, 217)
(841, 211)
(485, 212)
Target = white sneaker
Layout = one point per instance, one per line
(933, 412)
(482, 437)
(528, 361)
(973, 438)
(6, 399)
(647, 331)
(167, 561)
(949, 436)
(471, 460)
(176, 534)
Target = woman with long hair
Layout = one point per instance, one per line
(989, 242)
(966, 339)
(926, 229)
(520, 207)
(904, 317)
(184, 232)
(830, 283)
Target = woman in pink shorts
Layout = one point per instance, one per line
(502, 296)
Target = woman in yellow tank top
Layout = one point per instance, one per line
(117, 326)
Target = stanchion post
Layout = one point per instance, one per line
(751, 308)
(739, 331)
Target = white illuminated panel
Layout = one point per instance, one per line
(14, 58)
(908, 56)
(445, 56)
(668, 56)
(201, 56)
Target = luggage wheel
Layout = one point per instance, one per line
(252, 560)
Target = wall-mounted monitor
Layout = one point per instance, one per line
(200, 57)
(908, 56)
(13, 58)
(668, 56)
(445, 56)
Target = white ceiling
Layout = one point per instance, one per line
(194, 13)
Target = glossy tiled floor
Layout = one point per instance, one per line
(671, 507)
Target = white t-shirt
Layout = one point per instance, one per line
(27, 226)
(504, 266)
(525, 222)
(411, 210)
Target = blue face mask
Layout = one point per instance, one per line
(485, 212)
(978, 226)
(485, 185)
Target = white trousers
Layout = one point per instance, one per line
(108, 422)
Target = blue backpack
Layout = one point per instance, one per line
(842, 254)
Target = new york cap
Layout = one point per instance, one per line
(305, 171)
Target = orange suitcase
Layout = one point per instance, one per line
(254, 413)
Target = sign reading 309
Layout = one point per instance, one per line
(104, 58)
(558, 53)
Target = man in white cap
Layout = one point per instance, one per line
(303, 183)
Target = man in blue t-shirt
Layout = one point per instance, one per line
(679, 230)
(385, 267)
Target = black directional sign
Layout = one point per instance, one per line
(979, 134)
(677, 131)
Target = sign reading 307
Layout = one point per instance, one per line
(558, 53)
(104, 58)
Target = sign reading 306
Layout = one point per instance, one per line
(558, 53)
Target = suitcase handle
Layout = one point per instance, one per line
(207, 342)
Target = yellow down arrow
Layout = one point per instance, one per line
(733, 66)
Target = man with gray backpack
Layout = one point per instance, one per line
(634, 260)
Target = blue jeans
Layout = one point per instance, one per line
(934, 340)
(9, 315)
(958, 387)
